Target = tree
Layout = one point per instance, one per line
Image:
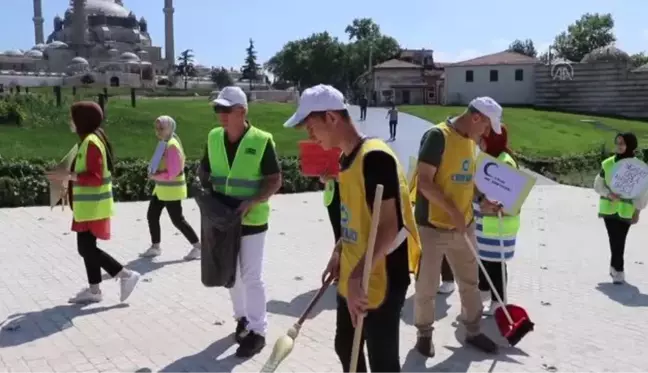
(362, 28)
(87, 79)
(185, 67)
(250, 70)
(221, 77)
(638, 59)
(591, 31)
(525, 47)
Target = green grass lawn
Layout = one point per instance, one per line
(131, 130)
(538, 133)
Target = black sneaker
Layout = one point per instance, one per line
(425, 346)
(251, 345)
(241, 329)
(482, 343)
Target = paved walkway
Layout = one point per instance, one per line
(172, 323)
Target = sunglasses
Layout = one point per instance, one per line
(222, 109)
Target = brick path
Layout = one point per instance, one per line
(173, 323)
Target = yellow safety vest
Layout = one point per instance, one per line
(89, 202)
(176, 189)
(624, 208)
(455, 177)
(243, 180)
(356, 224)
(329, 192)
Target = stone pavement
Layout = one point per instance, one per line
(173, 323)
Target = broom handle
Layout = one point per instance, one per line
(488, 278)
(314, 301)
(500, 226)
(366, 272)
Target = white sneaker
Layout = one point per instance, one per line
(493, 307)
(193, 254)
(617, 277)
(85, 296)
(152, 252)
(446, 288)
(127, 284)
(485, 296)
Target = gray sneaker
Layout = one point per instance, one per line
(152, 252)
(85, 296)
(127, 285)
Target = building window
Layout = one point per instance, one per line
(494, 75)
(469, 76)
(519, 75)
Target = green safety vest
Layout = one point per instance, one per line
(624, 208)
(329, 192)
(176, 189)
(243, 180)
(510, 224)
(92, 202)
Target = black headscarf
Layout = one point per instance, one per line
(631, 145)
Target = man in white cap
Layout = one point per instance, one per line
(444, 214)
(244, 171)
(364, 164)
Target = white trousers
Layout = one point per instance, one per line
(248, 294)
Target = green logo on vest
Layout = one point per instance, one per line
(250, 151)
(349, 235)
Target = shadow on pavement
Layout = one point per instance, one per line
(297, 305)
(462, 357)
(441, 308)
(626, 294)
(27, 327)
(208, 360)
(146, 265)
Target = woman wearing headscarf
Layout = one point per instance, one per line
(493, 233)
(90, 194)
(617, 213)
(167, 171)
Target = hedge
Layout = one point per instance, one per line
(23, 182)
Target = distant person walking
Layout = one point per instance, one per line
(392, 114)
(170, 189)
(363, 107)
(617, 213)
(89, 181)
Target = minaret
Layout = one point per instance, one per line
(79, 23)
(169, 49)
(38, 22)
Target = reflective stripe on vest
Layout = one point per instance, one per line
(329, 192)
(243, 179)
(176, 189)
(488, 236)
(92, 202)
(624, 208)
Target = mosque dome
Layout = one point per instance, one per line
(34, 53)
(14, 53)
(109, 8)
(57, 44)
(39, 47)
(608, 53)
(129, 57)
(78, 61)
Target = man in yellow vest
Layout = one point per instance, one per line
(444, 214)
(364, 164)
(244, 170)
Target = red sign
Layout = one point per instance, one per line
(317, 161)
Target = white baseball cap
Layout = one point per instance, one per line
(491, 109)
(321, 97)
(231, 96)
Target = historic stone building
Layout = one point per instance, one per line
(97, 37)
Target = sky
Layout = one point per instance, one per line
(219, 31)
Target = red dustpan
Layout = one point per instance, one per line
(513, 323)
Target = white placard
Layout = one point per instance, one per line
(629, 178)
(503, 183)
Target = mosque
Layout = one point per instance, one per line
(101, 38)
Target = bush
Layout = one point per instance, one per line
(23, 183)
(12, 111)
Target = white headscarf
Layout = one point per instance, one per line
(167, 123)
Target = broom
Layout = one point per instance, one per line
(517, 329)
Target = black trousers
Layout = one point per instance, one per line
(95, 259)
(494, 270)
(617, 233)
(174, 208)
(381, 334)
(363, 112)
(392, 128)
(446, 271)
